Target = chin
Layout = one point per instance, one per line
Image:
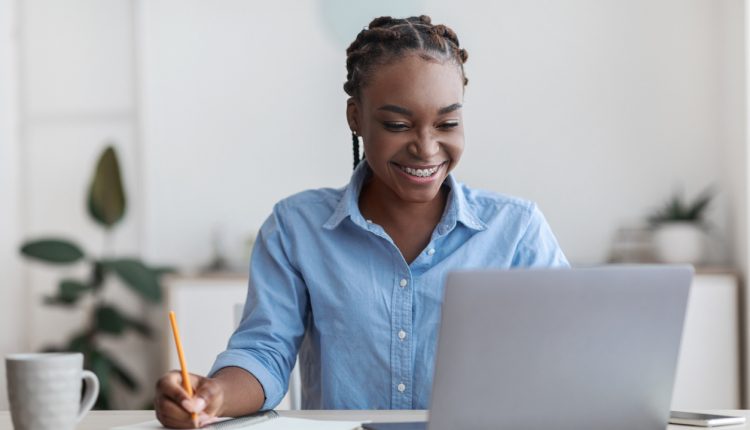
(421, 196)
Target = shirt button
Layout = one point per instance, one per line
(431, 251)
(369, 221)
(402, 335)
(403, 282)
(401, 388)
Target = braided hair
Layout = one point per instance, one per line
(389, 38)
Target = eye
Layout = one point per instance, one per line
(395, 126)
(448, 125)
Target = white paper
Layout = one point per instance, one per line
(281, 423)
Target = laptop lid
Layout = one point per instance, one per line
(591, 348)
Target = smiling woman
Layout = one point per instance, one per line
(351, 279)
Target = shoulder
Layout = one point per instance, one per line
(491, 207)
(324, 197)
(305, 208)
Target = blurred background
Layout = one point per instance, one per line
(598, 110)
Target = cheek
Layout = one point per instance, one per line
(455, 149)
(382, 145)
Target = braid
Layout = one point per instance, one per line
(387, 38)
(355, 145)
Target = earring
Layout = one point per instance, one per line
(355, 147)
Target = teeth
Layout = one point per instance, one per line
(421, 172)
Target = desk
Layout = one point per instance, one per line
(100, 420)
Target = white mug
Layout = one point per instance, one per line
(44, 390)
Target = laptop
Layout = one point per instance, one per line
(592, 348)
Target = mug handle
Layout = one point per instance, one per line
(90, 394)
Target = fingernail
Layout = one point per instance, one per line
(199, 404)
(187, 404)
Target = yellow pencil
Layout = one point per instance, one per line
(183, 367)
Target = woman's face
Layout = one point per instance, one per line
(409, 117)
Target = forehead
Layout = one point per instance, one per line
(414, 82)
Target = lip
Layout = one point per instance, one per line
(419, 180)
(419, 166)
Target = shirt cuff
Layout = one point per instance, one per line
(244, 360)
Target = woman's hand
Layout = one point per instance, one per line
(174, 407)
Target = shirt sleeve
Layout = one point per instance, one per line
(538, 246)
(268, 338)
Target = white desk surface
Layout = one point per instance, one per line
(101, 420)
(98, 420)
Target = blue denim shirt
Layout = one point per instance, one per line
(334, 287)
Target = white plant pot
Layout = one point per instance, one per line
(679, 242)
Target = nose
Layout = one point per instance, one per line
(425, 145)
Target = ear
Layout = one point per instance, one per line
(352, 115)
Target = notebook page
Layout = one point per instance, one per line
(282, 423)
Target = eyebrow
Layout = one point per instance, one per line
(407, 112)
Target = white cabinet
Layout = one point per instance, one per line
(708, 372)
(204, 307)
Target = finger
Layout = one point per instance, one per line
(196, 404)
(204, 419)
(211, 393)
(201, 396)
(170, 385)
(195, 380)
(170, 414)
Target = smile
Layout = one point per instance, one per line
(420, 173)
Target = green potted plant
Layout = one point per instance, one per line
(106, 205)
(679, 228)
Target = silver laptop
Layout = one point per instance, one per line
(559, 348)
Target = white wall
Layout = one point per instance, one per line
(597, 110)
(733, 125)
(12, 297)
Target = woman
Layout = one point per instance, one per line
(352, 279)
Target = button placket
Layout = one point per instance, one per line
(401, 345)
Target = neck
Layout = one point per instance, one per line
(381, 205)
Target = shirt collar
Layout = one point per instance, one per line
(456, 210)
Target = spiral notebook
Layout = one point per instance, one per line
(268, 420)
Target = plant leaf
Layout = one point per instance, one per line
(677, 209)
(68, 293)
(110, 320)
(56, 251)
(57, 300)
(101, 366)
(700, 204)
(72, 289)
(123, 375)
(102, 402)
(138, 277)
(107, 364)
(106, 200)
(81, 342)
(142, 328)
(97, 275)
